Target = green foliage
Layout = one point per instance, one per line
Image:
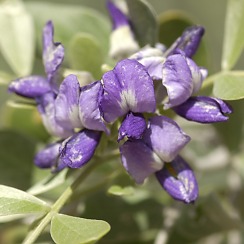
(68, 229)
(85, 53)
(68, 21)
(121, 191)
(234, 33)
(229, 86)
(16, 159)
(14, 201)
(17, 41)
(143, 21)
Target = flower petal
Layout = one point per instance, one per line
(127, 88)
(188, 42)
(77, 150)
(204, 109)
(47, 157)
(46, 107)
(177, 79)
(53, 52)
(30, 86)
(139, 160)
(67, 103)
(178, 179)
(165, 137)
(133, 126)
(89, 112)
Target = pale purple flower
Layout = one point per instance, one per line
(178, 180)
(161, 142)
(127, 88)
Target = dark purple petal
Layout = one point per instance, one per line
(127, 88)
(67, 103)
(204, 109)
(188, 42)
(30, 86)
(133, 126)
(117, 16)
(89, 112)
(139, 160)
(165, 137)
(77, 150)
(53, 52)
(177, 79)
(47, 157)
(178, 179)
(46, 107)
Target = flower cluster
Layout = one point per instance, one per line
(142, 79)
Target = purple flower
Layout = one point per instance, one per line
(204, 109)
(77, 150)
(181, 77)
(161, 142)
(178, 180)
(127, 88)
(122, 42)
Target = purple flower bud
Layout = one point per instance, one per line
(77, 150)
(178, 179)
(204, 109)
(53, 53)
(181, 77)
(122, 42)
(133, 126)
(30, 86)
(188, 42)
(128, 87)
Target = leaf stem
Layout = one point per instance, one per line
(33, 235)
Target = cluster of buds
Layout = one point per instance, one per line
(143, 79)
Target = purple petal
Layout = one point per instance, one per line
(188, 42)
(133, 126)
(127, 88)
(177, 79)
(67, 103)
(30, 86)
(178, 179)
(139, 160)
(77, 150)
(47, 157)
(165, 137)
(204, 110)
(117, 16)
(53, 53)
(89, 112)
(46, 107)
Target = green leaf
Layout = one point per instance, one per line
(17, 36)
(49, 183)
(229, 86)
(171, 25)
(234, 33)
(84, 53)
(14, 201)
(121, 191)
(144, 22)
(16, 159)
(67, 229)
(69, 20)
